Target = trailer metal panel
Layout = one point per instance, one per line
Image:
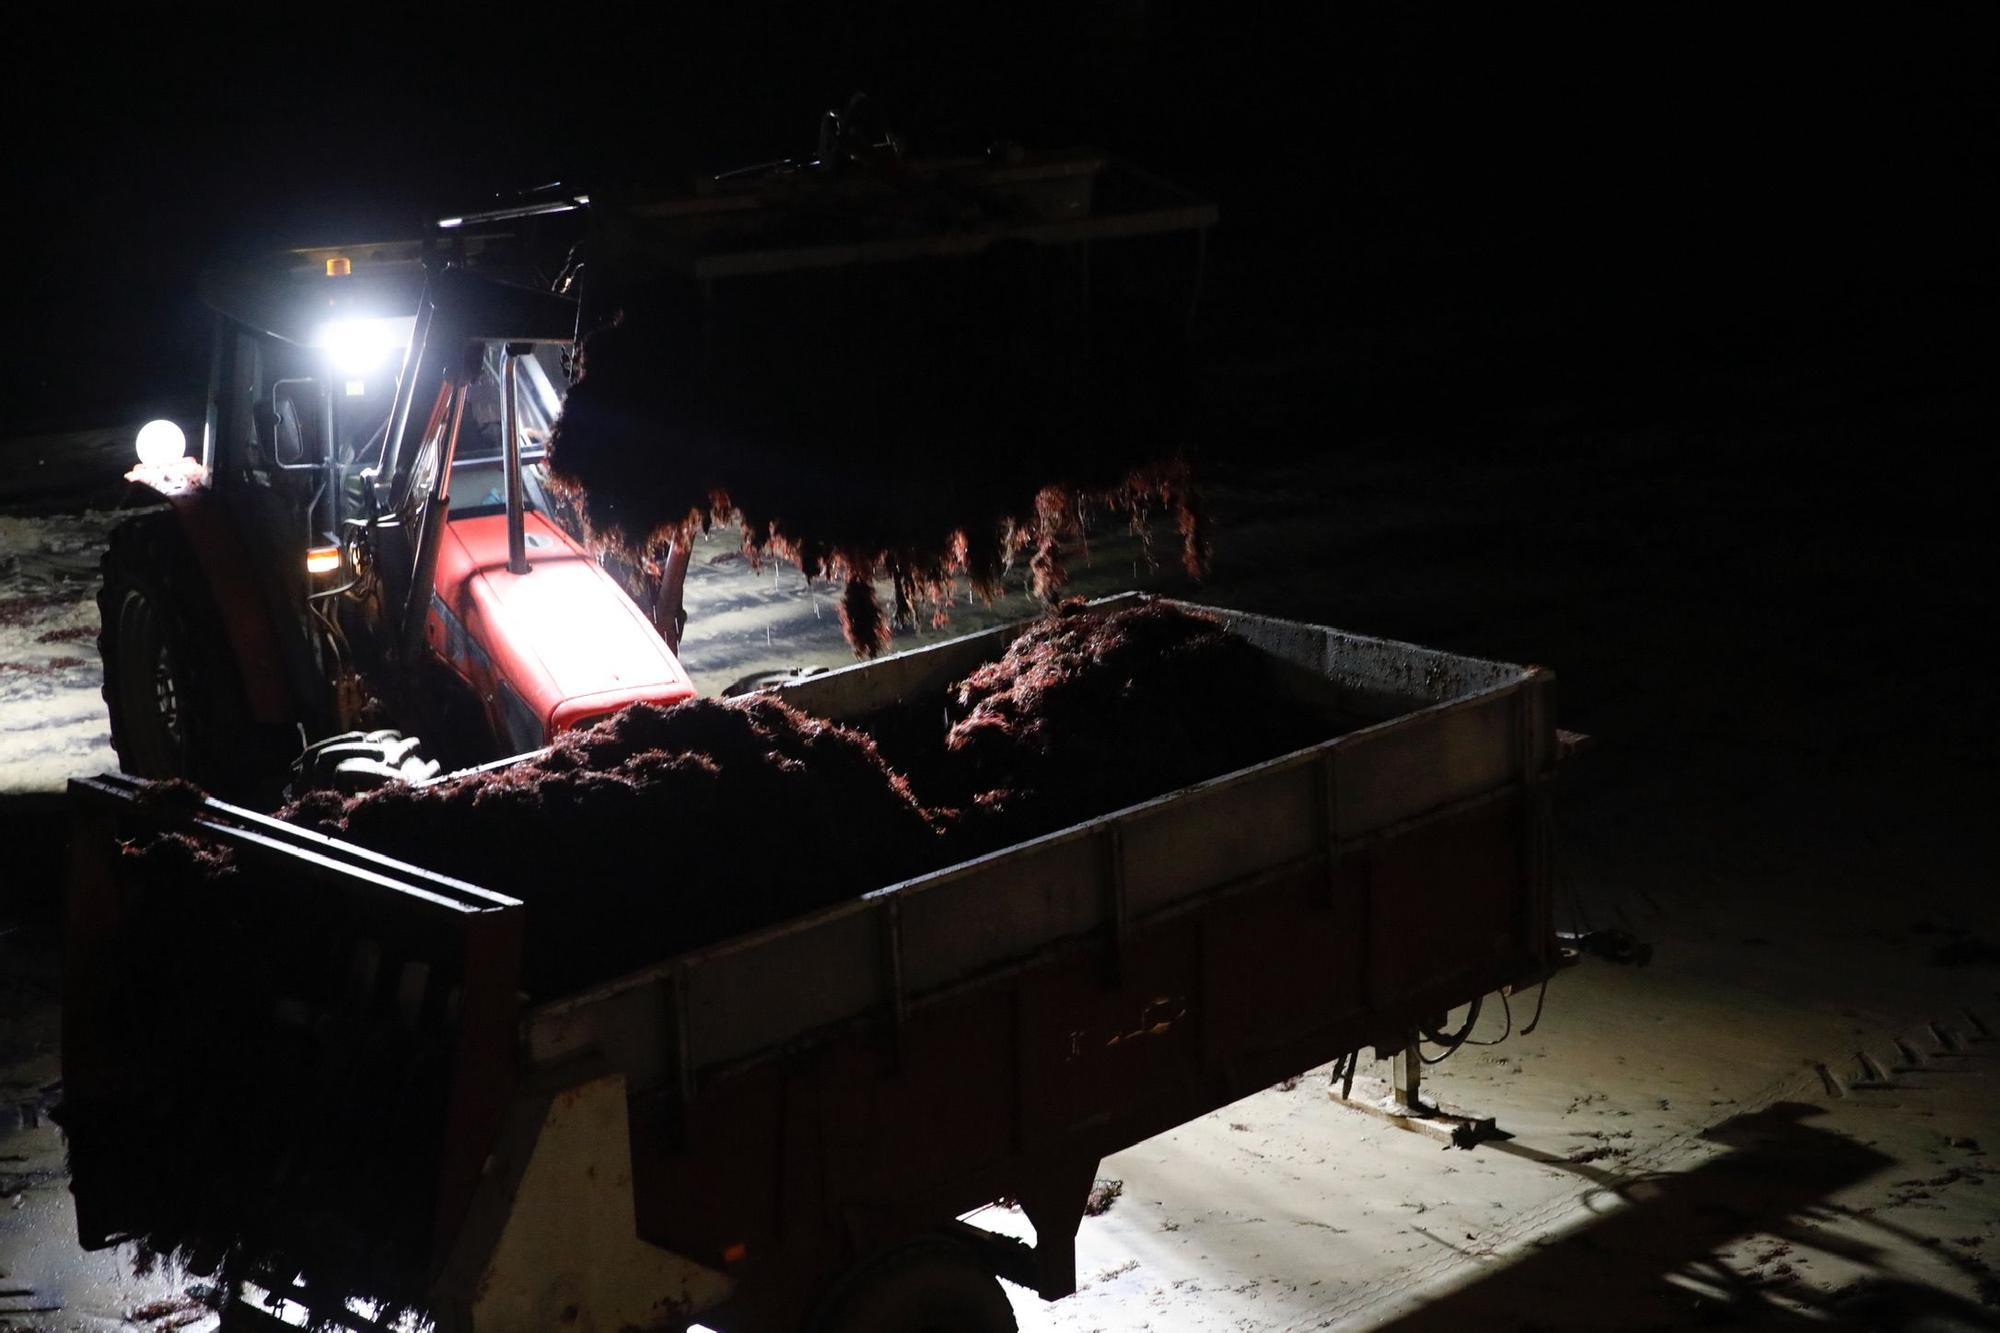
(1210, 835)
(1399, 769)
(753, 999)
(954, 926)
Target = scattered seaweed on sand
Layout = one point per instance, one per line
(927, 422)
(20, 609)
(1103, 1192)
(54, 666)
(74, 635)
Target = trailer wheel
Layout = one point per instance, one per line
(932, 1285)
(172, 688)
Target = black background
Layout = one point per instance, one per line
(1608, 190)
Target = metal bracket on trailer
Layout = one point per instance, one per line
(1399, 1100)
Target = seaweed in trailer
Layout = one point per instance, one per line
(656, 831)
(1088, 712)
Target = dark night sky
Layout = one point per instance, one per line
(1624, 166)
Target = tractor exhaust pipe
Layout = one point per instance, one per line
(510, 431)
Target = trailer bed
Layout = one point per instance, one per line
(1431, 737)
(744, 1122)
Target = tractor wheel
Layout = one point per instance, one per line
(175, 696)
(934, 1285)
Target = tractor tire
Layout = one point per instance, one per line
(933, 1285)
(173, 689)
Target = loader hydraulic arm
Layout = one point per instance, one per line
(430, 527)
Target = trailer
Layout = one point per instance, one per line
(783, 1129)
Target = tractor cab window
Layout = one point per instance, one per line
(478, 477)
(273, 415)
(361, 424)
(423, 467)
(295, 408)
(361, 371)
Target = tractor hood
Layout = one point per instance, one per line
(557, 647)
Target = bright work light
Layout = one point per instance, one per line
(161, 443)
(358, 346)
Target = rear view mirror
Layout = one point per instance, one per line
(295, 415)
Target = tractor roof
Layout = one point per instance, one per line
(292, 294)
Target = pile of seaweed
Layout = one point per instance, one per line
(916, 423)
(657, 830)
(1088, 712)
(663, 829)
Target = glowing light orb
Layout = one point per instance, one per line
(161, 443)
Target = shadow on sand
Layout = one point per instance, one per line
(1651, 1258)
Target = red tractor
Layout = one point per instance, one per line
(367, 538)
(366, 549)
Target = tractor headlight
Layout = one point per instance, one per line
(358, 346)
(161, 444)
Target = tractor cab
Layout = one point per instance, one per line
(367, 538)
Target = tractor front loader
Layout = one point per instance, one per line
(367, 548)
